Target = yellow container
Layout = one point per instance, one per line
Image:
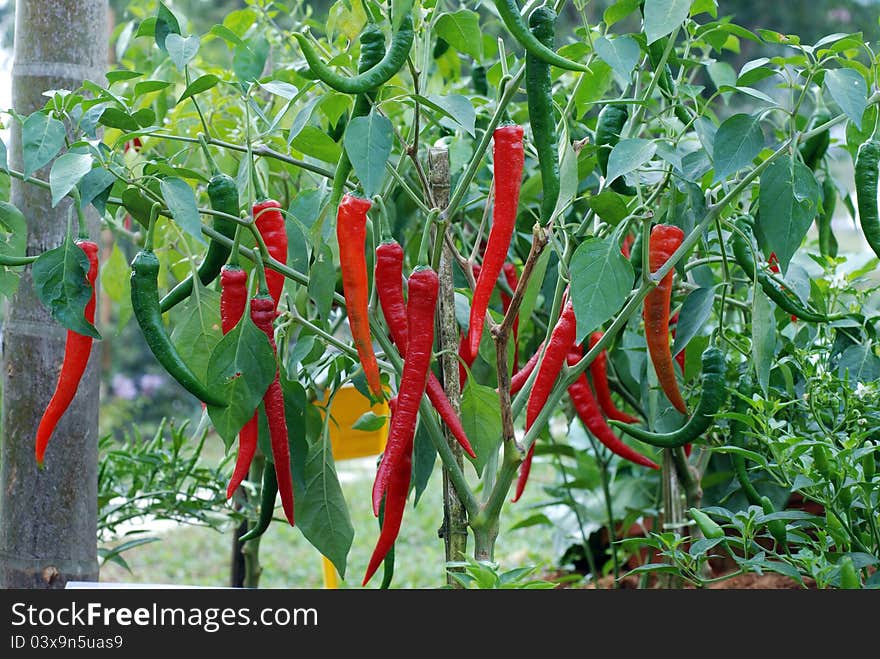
(347, 407)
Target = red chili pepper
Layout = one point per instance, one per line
(509, 158)
(519, 379)
(561, 339)
(628, 240)
(591, 416)
(263, 315)
(351, 233)
(388, 278)
(270, 224)
(233, 302)
(665, 239)
(77, 349)
(599, 374)
(393, 483)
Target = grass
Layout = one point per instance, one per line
(188, 555)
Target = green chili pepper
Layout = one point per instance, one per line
(820, 461)
(608, 127)
(372, 51)
(368, 78)
(849, 576)
(268, 493)
(745, 387)
(145, 304)
(776, 526)
(508, 10)
(223, 195)
(827, 240)
(709, 528)
(542, 23)
(784, 299)
(869, 464)
(815, 148)
(866, 171)
(664, 81)
(713, 395)
(479, 82)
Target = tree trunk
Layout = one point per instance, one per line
(48, 518)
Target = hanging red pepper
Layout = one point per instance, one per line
(561, 339)
(263, 315)
(665, 239)
(393, 482)
(233, 302)
(591, 416)
(509, 157)
(388, 278)
(351, 234)
(599, 374)
(77, 349)
(270, 224)
(628, 240)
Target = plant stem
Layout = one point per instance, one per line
(251, 549)
(455, 523)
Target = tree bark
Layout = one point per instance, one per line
(48, 518)
(455, 522)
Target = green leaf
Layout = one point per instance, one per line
(66, 172)
(663, 16)
(530, 297)
(13, 242)
(369, 421)
(601, 278)
(481, 419)
(619, 10)
(181, 202)
(848, 89)
(199, 85)
(116, 283)
(629, 155)
(568, 177)
(60, 283)
(858, 363)
(249, 59)
(461, 30)
(692, 318)
(302, 118)
(595, 84)
(609, 206)
(738, 140)
(321, 510)
(424, 457)
(116, 118)
(150, 86)
(280, 88)
(368, 145)
(621, 53)
(94, 188)
(197, 328)
(322, 281)
(456, 107)
(763, 337)
(230, 37)
(166, 23)
(314, 142)
(42, 138)
(241, 366)
(3, 163)
(788, 200)
(122, 75)
(182, 50)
